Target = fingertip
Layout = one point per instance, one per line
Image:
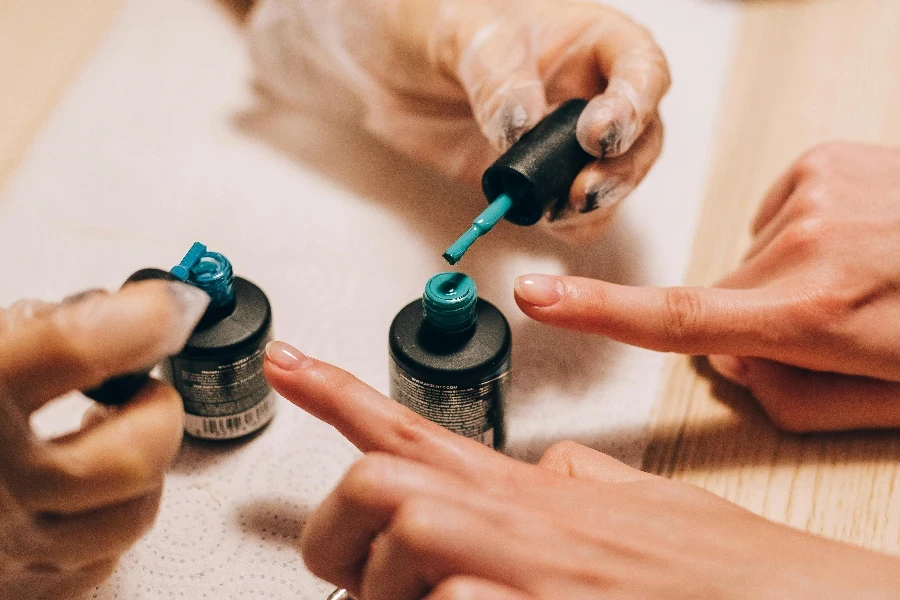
(285, 368)
(522, 105)
(608, 126)
(318, 388)
(109, 334)
(538, 291)
(286, 357)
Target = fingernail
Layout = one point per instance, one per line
(611, 141)
(286, 357)
(730, 367)
(601, 194)
(603, 114)
(540, 290)
(190, 304)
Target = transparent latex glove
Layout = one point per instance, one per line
(453, 83)
(70, 506)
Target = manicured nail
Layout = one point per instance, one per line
(540, 290)
(286, 357)
(731, 368)
(109, 315)
(190, 305)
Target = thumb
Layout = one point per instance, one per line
(690, 320)
(494, 62)
(800, 400)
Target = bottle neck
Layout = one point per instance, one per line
(449, 303)
(214, 275)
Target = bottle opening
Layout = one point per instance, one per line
(449, 302)
(213, 274)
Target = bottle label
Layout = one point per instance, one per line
(224, 428)
(471, 410)
(224, 399)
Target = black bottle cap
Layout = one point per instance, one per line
(538, 171)
(121, 389)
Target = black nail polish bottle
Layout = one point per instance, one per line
(450, 359)
(219, 372)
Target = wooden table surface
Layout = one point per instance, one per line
(806, 71)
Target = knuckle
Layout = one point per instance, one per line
(20, 543)
(811, 197)
(822, 309)
(413, 430)
(820, 159)
(364, 480)
(415, 523)
(805, 236)
(560, 452)
(683, 312)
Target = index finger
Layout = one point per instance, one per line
(638, 77)
(370, 420)
(690, 320)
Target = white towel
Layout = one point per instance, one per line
(161, 142)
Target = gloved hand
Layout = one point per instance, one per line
(453, 83)
(70, 506)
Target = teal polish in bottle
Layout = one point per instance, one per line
(449, 302)
(450, 359)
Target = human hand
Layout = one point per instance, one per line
(430, 514)
(70, 506)
(453, 83)
(807, 321)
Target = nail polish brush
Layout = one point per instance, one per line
(532, 178)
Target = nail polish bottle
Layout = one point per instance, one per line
(450, 359)
(219, 373)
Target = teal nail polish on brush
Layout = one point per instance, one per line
(532, 178)
(450, 359)
(482, 225)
